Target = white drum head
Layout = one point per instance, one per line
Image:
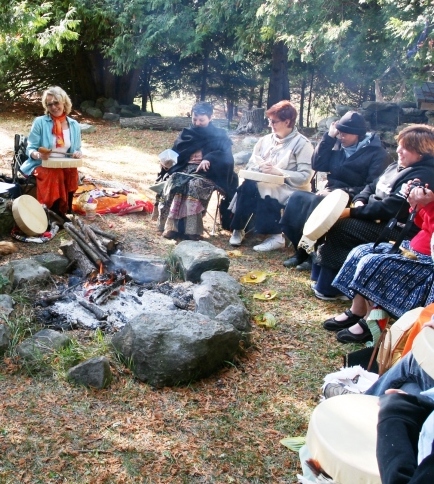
(326, 214)
(29, 215)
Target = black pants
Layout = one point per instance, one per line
(399, 422)
(298, 209)
(266, 211)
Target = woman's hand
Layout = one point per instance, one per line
(203, 166)
(420, 197)
(333, 132)
(345, 213)
(324, 192)
(77, 154)
(196, 157)
(359, 203)
(269, 169)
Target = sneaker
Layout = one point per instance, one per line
(323, 297)
(334, 389)
(274, 242)
(237, 237)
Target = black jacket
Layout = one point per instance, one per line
(353, 173)
(216, 147)
(383, 197)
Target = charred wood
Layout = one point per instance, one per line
(93, 308)
(73, 252)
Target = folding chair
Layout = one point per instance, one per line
(26, 182)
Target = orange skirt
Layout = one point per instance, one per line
(54, 184)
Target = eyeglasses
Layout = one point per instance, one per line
(273, 122)
(54, 103)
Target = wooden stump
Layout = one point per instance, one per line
(252, 121)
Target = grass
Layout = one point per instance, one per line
(223, 429)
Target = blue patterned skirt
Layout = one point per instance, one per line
(392, 281)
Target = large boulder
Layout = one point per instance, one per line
(194, 258)
(217, 291)
(28, 271)
(242, 157)
(173, 347)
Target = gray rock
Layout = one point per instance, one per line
(134, 108)
(142, 268)
(249, 141)
(87, 128)
(7, 278)
(6, 305)
(324, 124)
(111, 116)
(57, 264)
(28, 271)
(87, 104)
(217, 291)
(5, 338)
(242, 157)
(238, 316)
(42, 343)
(170, 348)
(94, 112)
(93, 373)
(110, 103)
(127, 113)
(194, 258)
(412, 112)
(342, 109)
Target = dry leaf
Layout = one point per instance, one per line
(267, 320)
(234, 253)
(254, 277)
(265, 296)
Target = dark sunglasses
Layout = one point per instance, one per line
(54, 103)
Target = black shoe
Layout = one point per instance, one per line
(345, 336)
(298, 258)
(333, 325)
(304, 266)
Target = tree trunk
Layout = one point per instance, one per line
(302, 98)
(260, 97)
(251, 98)
(204, 81)
(251, 121)
(309, 104)
(278, 88)
(156, 122)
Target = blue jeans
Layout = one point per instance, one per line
(406, 374)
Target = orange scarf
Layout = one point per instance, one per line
(57, 129)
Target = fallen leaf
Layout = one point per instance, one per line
(254, 277)
(234, 253)
(265, 296)
(267, 320)
(293, 443)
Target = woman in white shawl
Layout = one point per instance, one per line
(283, 152)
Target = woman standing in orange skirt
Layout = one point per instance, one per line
(54, 131)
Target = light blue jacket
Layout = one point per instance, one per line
(41, 134)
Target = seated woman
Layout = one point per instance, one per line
(374, 206)
(205, 163)
(352, 158)
(58, 132)
(282, 152)
(396, 282)
(405, 438)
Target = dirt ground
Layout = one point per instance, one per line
(225, 429)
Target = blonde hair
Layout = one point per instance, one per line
(58, 95)
(418, 138)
